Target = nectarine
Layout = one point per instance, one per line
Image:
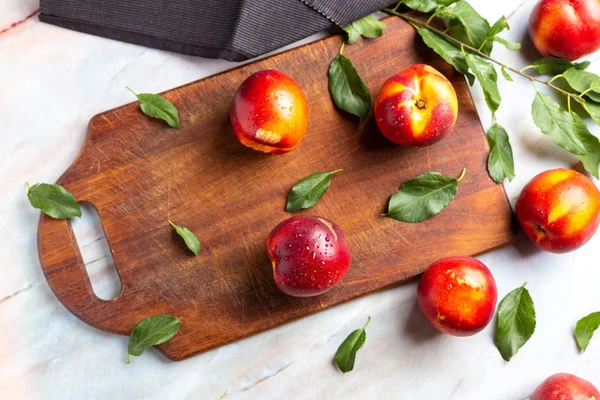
(565, 387)
(309, 255)
(458, 295)
(416, 107)
(565, 28)
(559, 210)
(269, 112)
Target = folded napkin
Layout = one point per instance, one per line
(234, 30)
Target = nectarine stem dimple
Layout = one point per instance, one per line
(421, 104)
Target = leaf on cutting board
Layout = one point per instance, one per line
(188, 236)
(423, 197)
(150, 332)
(516, 322)
(53, 200)
(156, 106)
(345, 355)
(369, 27)
(348, 91)
(308, 191)
(585, 328)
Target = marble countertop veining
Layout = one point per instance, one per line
(52, 81)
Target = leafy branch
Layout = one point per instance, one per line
(421, 24)
(466, 44)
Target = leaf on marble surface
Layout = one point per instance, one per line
(585, 328)
(53, 200)
(158, 107)
(150, 332)
(583, 82)
(516, 322)
(500, 164)
(466, 25)
(345, 355)
(488, 79)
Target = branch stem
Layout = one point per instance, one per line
(418, 23)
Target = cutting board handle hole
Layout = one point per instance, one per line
(96, 254)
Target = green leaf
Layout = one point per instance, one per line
(53, 200)
(157, 107)
(500, 161)
(449, 51)
(516, 322)
(346, 353)
(499, 26)
(427, 6)
(558, 123)
(151, 332)
(581, 81)
(506, 75)
(487, 77)
(509, 45)
(307, 192)
(188, 236)
(368, 26)
(593, 109)
(348, 91)
(555, 66)
(591, 143)
(585, 328)
(423, 197)
(466, 22)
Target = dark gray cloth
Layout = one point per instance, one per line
(231, 29)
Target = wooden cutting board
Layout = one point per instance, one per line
(138, 173)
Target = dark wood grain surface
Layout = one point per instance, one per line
(138, 173)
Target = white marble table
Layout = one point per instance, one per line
(52, 81)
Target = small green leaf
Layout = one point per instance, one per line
(499, 26)
(427, 6)
(422, 197)
(307, 192)
(516, 322)
(593, 109)
(590, 142)
(558, 123)
(346, 353)
(53, 200)
(188, 236)
(487, 77)
(466, 22)
(582, 81)
(500, 161)
(506, 75)
(151, 332)
(509, 45)
(555, 66)
(348, 91)
(157, 107)
(585, 328)
(368, 26)
(449, 51)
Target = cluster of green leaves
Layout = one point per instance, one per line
(466, 43)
